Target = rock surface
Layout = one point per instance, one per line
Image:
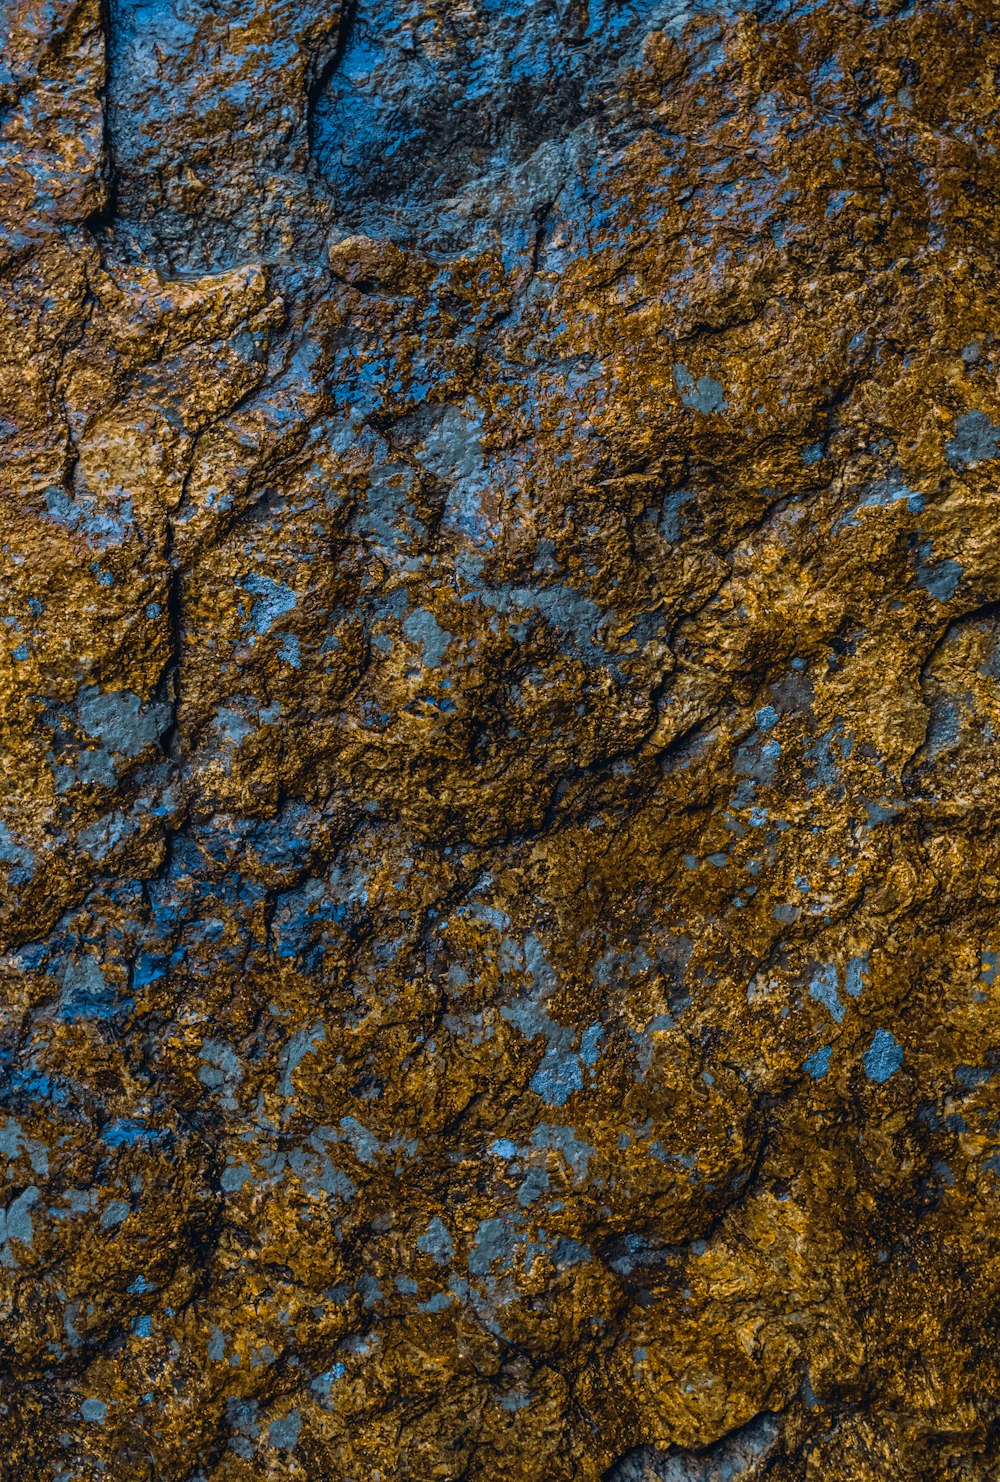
(499, 711)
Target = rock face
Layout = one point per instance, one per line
(499, 714)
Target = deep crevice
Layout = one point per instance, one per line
(102, 220)
(325, 71)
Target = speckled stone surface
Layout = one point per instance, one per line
(499, 713)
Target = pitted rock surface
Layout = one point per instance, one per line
(500, 658)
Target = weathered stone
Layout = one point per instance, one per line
(499, 698)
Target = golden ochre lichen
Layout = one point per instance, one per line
(499, 713)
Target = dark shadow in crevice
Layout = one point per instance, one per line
(101, 221)
(317, 86)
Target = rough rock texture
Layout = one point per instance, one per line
(499, 711)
